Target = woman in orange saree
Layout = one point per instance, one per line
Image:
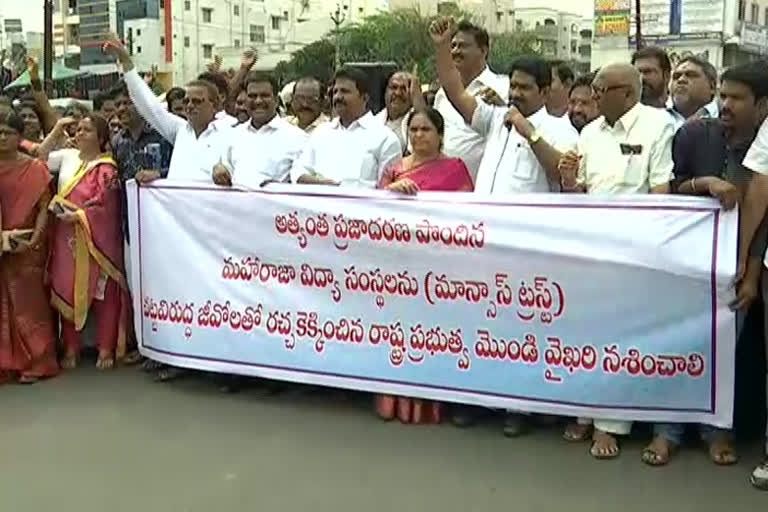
(426, 168)
(27, 335)
(86, 264)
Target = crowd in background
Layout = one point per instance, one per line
(639, 127)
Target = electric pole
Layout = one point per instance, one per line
(48, 47)
(638, 29)
(338, 17)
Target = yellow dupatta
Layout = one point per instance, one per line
(84, 250)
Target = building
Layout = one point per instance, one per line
(80, 28)
(11, 33)
(559, 33)
(725, 32)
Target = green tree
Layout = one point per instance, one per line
(398, 36)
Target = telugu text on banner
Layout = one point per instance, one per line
(562, 304)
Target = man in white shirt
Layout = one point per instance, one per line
(694, 81)
(524, 143)
(469, 49)
(262, 150)
(353, 149)
(222, 87)
(197, 141)
(403, 94)
(636, 142)
(753, 213)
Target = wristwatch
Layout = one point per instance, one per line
(534, 138)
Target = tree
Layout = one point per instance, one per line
(398, 36)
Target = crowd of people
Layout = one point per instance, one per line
(639, 127)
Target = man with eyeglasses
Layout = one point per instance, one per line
(627, 150)
(307, 104)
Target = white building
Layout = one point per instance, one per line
(496, 16)
(725, 32)
(562, 35)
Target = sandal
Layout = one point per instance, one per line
(722, 453)
(577, 433)
(169, 373)
(150, 365)
(604, 446)
(659, 452)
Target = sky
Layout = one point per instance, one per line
(31, 11)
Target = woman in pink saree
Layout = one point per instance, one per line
(86, 264)
(425, 169)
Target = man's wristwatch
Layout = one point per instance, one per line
(534, 138)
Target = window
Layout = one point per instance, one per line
(766, 16)
(499, 16)
(138, 49)
(162, 4)
(237, 43)
(742, 10)
(138, 32)
(207, 14)
(162, 41)
(276, 23)
(186, 41)
(257, 34)
(207, 51)
(187, 5)
(236, 10)
(285, 16)
(754, 13)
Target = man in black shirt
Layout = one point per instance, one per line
(708, 155)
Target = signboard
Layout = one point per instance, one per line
(754, 38)
(611, 18)
(678, 19)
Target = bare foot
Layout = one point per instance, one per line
(105, 361)
(69, 362)
(658, 452)
(604, 445)
(723, 453)
(576, 432)
(27, 379)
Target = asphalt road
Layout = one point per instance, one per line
(119, 442)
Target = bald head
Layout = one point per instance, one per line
(622, 73)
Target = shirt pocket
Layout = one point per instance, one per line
(634, 169)
(525, 165)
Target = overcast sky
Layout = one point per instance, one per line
(31, 11)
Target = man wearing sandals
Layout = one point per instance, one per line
(714, 168)
(753, 213)
(638, 140)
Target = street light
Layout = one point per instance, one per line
(337, 17)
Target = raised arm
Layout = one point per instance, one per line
(48, 116)
(249, 58)
(53, 139)
(153, 112)
(441, 31)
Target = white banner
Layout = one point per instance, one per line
(562, 304)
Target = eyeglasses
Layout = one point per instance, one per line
(606, 88)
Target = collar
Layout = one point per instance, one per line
(539, 115)
(383, 116)
(125, 133)
(365, 121)
(485, 77)
(710, 110)
(274, 124)
(626, 121)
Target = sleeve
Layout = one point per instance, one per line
(581, 149)
(567, 138)
(757, 156)
(55, 159)
(305, 163)
(391, 153)
(660, 159)
(150, 109)
(482, 119)
(682, 170)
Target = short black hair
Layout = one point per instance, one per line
(101, 98)
(564, 71)
(654, 52)
(119, 89)
(217, 79)
(307, 79)
(213, 92)
(536, 67)
(482, 39)
(584, 80)
(259, 77)
(709, 70)
(11, 119)
(354, 75)
(754, 75)
(173, 94)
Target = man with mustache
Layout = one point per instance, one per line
(398, 101)
(694, 81)
(523, 143)
(307, 104)
(469, 49)
(638, 140)
(367, 148)
(582, 107)
(708, 155)
(655, 68)
(263, 150)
